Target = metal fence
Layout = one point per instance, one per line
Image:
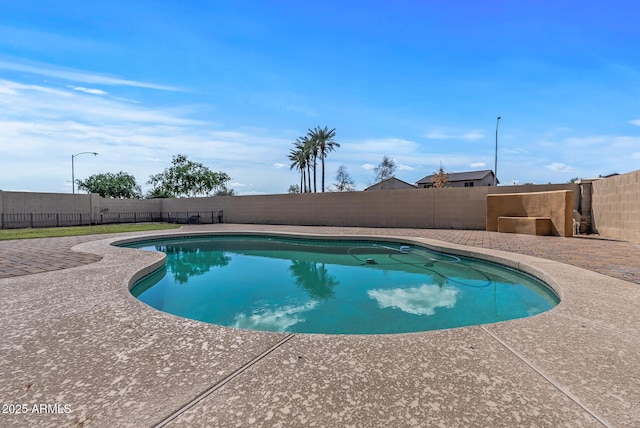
(35, 220)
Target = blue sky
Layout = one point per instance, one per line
(233, 84)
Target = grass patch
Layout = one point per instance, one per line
(52, 232)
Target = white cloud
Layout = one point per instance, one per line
(559, 167)
(472, 136)
(435, 135)
(468, 136)
(88, 90)
(278, 319)
(635, 122)
(635, 155)
(14, 88)
(279, 165)
(80, 76)
(367, 166)
(46, 125)
(421, 300)
(606, 141)
(403, 167)
(384, 146)
(586, 141)
(477, 164)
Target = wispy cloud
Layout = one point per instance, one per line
(618, 141)
(30, 40)
(87, 90)
(382, 146)
(468, 136)
(49, 124)
(559, 167)
(367, 166)
(279, 165)
(477, 164)
(81, 76)
(635, 122)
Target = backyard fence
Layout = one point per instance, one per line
(35, 220)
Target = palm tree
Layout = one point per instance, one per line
(312, 150)
(323, 140)
(298, 160)
(305, 145)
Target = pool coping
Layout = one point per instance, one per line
(574, 364)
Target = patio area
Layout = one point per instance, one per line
(78, 343)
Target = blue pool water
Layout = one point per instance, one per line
(333, 286)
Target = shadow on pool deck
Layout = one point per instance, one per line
(77, 337)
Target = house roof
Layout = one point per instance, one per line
(459, 176)
(390, 179)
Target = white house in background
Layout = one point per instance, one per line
(391, 184)
(461, 179)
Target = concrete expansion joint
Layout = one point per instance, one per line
(222, 382)
(548, 378)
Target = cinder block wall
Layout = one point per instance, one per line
(127, 205)
(451, 208)
(616, 207)
(56, 203)
(557, 205)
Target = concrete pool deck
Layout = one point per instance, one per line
(75, 341)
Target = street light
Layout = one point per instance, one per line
(73, 176)
(495, 164)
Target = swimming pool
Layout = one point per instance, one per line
(333, 286)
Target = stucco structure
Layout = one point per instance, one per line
(525, 210)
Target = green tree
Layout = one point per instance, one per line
(385, 169)
(323, 143)
(294, 188)
(344, 181)
(186, 178)
(110, 185)
(224, 191)
(158, 193)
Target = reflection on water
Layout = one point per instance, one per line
(416, 300)
(314, 278)
(276, 319)
(341, 287)
(185, 261)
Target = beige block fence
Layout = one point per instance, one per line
(616, 207)
(610, 206)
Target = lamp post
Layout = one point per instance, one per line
(495, 164)
(73, 177)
